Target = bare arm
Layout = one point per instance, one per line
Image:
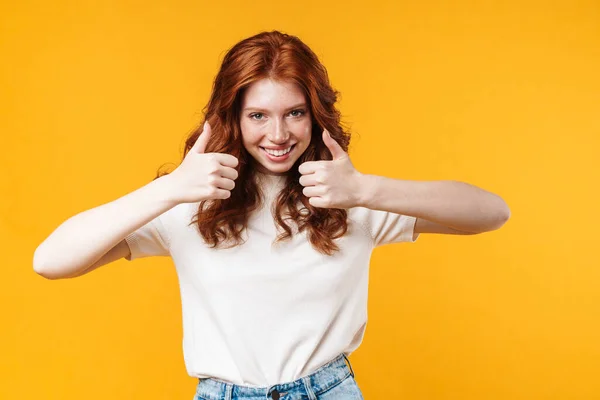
(457, 205)
(121, 250)
(96, 237)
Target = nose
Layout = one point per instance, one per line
(278, 133)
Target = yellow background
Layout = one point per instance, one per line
(95, 96)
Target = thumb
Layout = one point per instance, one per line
(336, 150)
(200, 144)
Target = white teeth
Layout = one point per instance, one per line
(278, 152)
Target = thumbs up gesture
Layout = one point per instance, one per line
(332, 184)
(204, 176)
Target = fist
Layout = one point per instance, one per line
(332, 184)
(204, 176)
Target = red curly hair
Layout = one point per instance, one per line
(281, 57)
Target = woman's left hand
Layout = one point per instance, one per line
(332, 184)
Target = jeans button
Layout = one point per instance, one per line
(275, 395)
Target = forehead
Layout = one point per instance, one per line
(272, 94)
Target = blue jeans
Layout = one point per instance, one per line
(333, 381)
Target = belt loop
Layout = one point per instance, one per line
(309, 389)
(228, 391)
(349, 365)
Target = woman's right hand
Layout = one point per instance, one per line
(204, 176)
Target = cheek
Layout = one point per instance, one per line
(306, 132)
(308, 135)
(250, 134)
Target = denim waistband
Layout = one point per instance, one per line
(319, 381)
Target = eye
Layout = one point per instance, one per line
(301, 113)
(254, 115)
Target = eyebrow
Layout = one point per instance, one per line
(262, 109)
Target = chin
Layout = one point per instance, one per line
(279, 171)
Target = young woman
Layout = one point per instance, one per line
(270, 228)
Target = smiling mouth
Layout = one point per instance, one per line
(278, 153)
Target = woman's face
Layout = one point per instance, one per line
(274, 119)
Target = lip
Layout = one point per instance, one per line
(278, 159)
(277, 148)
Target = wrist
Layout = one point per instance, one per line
(167, 190)
(367, 191)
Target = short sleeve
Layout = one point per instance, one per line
(151, 239)
(386, 227)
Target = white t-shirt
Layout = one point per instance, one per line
(257, 314)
